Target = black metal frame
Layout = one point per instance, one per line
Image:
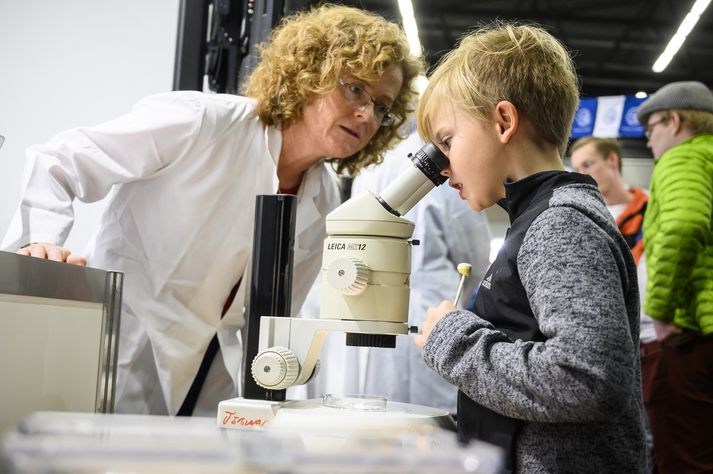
(219, 38)
(270, 279)
(191, 45)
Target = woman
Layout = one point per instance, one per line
(183, 169)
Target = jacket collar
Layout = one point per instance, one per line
(520, 194)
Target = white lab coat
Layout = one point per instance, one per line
(449, 233)
(182, 170)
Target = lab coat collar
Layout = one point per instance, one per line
(311, 189)
(273, 138)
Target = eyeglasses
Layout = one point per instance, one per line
(356, 94)
(650, 126)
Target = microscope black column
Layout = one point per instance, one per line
(270, 280)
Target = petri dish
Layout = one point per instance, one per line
(355, 402)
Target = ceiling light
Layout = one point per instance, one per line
(410, 27)
(680, 36)
(641, 95)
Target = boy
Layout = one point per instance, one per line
(548, 367)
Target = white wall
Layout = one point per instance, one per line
(66, 63)
(637, 171)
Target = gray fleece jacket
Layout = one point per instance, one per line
(552, 351)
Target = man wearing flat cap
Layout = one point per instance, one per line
(677, 368)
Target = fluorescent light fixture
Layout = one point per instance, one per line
(409, 21)
(641, 95)
(410, 26)
(680, 36)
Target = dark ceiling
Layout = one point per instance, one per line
(614, 42)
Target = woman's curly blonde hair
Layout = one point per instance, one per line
(309, 52)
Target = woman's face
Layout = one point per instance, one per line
(476, 167)
(338, 128)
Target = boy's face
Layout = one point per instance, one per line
(476, 169)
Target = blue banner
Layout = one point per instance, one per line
(630, 126)
(583, 124)
(608, 117)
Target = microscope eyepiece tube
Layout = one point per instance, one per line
(409, 188)
(431, 161)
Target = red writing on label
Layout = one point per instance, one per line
(232, 418)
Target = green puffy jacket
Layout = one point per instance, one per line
(678, 236)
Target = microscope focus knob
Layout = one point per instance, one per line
(348, 274)
(275, 368)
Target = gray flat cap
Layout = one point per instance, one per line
(686, 95)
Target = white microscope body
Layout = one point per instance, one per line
(365, 279)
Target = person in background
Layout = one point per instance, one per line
(548, 364)
(678, 242)
(600, 158)
(449, 233)
(182, 169)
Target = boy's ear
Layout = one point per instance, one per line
(506, 120)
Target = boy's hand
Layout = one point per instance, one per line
(52, 252)
(433, 315)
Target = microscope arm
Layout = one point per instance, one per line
(289, 347)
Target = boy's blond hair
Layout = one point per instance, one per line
(310, 51)
(522, 64)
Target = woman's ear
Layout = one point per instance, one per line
(506, 120)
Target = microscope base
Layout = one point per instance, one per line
(313, 416)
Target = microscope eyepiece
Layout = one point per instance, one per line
(415, 182)
(430, 160)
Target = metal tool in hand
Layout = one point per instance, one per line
(464, 269)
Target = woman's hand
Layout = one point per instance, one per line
(433, 315)
(52, 252)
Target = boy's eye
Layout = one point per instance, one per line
(445, 143)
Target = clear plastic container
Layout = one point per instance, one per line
(355, 402)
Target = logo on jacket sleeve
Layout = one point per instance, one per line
(486, 281)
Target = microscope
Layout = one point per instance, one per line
(364, 290)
